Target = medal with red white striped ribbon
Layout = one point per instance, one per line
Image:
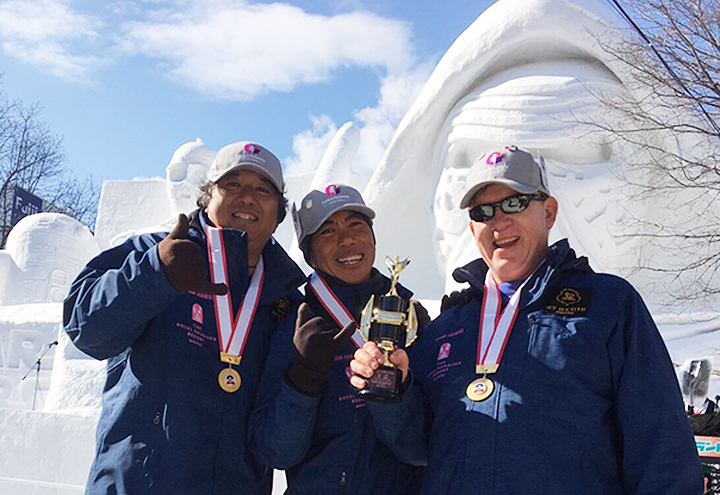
(232, 333)
(495, 328)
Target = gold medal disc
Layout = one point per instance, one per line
(229, 380)
(480, 389)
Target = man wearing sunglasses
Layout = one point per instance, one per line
(544, 376)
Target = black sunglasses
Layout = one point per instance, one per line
(512, 204)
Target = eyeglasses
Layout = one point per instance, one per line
(512, 204)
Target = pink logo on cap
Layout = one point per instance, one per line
(332, 190)
(253, 149)
(494, 158)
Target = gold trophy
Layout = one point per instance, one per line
(391, 323)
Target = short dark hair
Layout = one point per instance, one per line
(206, 193)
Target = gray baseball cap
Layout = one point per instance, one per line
(512, 167)
(317, 206)
(247, 155)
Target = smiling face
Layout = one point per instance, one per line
(344, 247)
(247, 201)
(513, 245)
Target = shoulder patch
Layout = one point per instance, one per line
(567, 301)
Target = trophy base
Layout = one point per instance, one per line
(384, 386)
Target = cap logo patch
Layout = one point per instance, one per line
(308, 204)
(252, 149)
(494, 158)
(332, 190)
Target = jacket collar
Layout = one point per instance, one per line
(378, 284)
(354, 297)
(282, 275)
(560, 257)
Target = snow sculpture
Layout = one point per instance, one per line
(44, 254)
(513, 77)
(185, 173)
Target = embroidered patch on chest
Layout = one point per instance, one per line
(567, 301)
(281, 309)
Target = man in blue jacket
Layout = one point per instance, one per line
(544, 377)
(308, 420)
(185, 321)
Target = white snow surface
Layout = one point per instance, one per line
(521, 74)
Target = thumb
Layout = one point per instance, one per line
(181, 228)
(343, 335)
(304, 315)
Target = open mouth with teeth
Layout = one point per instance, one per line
(350, 260)
(241, 215)
(506, 242)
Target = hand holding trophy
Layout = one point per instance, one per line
(391, 322)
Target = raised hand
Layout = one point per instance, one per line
(183, 264)
(316, 343)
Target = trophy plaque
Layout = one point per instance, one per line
(391, 323)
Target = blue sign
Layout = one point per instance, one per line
(24, 204)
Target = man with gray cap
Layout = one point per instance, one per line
(185, 321)
(544, 376)
(309, 420)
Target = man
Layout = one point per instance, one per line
(309, 420)
(545, 377)
(185, 351)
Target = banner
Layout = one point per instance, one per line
(23, 204)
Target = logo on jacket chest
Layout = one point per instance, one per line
(193, 329)
(567, 301)
(197, 314)
(443, 363)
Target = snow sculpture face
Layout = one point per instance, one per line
(525, 73)
(185, 173)
(537, 107)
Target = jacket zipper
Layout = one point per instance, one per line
(343, 482)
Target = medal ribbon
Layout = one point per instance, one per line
(332, 305)
(232, 335)
(495, 327)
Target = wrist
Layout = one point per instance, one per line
(305, 378)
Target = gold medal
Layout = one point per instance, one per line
(480, 389)
(229, 380)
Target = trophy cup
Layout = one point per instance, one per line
(391, 323)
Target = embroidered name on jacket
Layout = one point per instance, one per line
(567, 301)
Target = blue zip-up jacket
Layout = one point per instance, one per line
(585, 402)
(327, 444)
(166, 425)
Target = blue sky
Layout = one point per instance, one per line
(125, 83)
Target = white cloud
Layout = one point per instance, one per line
(238, 51)
(309, 146)
(377, 125)
(38, 32)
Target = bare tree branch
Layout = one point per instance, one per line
(34, 160)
